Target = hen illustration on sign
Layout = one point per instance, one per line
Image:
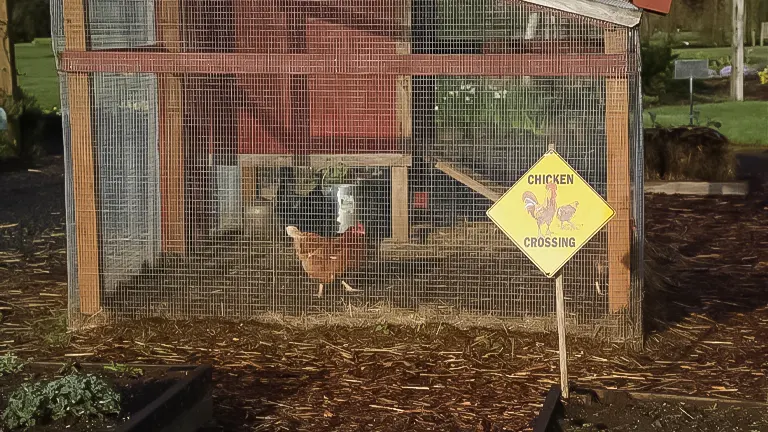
(550, 213)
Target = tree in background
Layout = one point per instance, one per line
(30, 19)
(711, 19)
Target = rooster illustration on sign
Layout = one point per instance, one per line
(544, 214)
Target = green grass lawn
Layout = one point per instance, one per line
(744, 123)
(37, 72)
(757, 56)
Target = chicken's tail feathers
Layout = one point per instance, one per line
(530, 202)
(528, 195)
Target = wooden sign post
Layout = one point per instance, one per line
(550, 213)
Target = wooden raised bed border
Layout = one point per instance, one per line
(697, 188)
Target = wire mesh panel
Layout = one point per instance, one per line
(307, 159)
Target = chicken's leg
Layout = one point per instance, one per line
(348, 288)
(320, 291)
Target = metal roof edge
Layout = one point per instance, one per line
(625, 17)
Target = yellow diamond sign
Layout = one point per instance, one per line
(550, 213)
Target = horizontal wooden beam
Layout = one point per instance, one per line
(697, 188)
(265, 160)
(328, 160)
(612, 65)
(360, 160)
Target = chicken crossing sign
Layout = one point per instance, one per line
(550, 213)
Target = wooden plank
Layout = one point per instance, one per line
(74, 25)
(404, 85)
(400, 228)
(83, 169)
(562, 349)
(172, 172)
(625, 17)
(360, 160)
(554, 65)
(83, 173)
(698, 188)
(619, 181)
(169, 25)
(265, 160)
(248, 176)
(470, 180)
(547, 415)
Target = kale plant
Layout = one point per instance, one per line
(74, 396)
(10, 364)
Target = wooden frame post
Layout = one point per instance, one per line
(171, 146)
(83, 168)
(404, 120)
(619, 182)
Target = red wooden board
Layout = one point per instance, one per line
(350, 105)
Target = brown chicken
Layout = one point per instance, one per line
(325, 259)
(542, 213)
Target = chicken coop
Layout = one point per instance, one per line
(334, 159)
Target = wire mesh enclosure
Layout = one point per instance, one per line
(246, 158)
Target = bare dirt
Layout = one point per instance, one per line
(627, 415)
(706, 317)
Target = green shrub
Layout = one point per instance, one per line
(22, 137)
(30, 19)
(75, 396)
(658, 68)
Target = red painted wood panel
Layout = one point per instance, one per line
(258, 137)
(658, 6)
(350, 105)
(261, 26)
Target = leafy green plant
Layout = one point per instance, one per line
(719, 63)
(19, 110)
(658, 69)
(709, 123)
(334, 174)
(10, 364)
(74, 396)
(124, 369)
(53, 330)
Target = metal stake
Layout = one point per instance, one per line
(690, 89)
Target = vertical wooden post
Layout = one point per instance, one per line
(562, 349)
(737, 69)
(560, 313)
(617, 131)
(404, 121)
(400, 229)
(171, 148)
(83, 169)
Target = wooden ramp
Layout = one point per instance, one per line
(476, 182)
